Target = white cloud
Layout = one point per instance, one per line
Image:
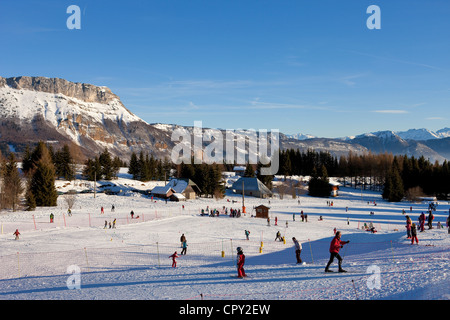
(391, 111)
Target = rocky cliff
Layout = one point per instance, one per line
(60, 111)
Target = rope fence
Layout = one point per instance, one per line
(137, 258)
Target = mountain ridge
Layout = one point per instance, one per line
(94, 118)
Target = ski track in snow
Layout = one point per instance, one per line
(131, 261)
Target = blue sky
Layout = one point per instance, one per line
(297, 66)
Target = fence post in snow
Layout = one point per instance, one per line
(157, 250)
(310, 249)
(87, 262)
(18, 264)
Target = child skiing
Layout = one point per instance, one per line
(247, 233)
(51, 217)
(16, 233)
(174, 262)
(240, 263)
(335, 246)
(414, 234)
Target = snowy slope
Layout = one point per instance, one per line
(131, 261)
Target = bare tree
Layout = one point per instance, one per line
(70, 198)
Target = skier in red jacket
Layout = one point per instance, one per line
(16, 233)
(174, 262)
(335, 246)
(240, 263)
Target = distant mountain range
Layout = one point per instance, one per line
(411, 134)
(93, 118)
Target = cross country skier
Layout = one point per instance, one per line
(298, 250)
(174, 262)
(240, 263)
(335, 246)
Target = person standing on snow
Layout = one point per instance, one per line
(182, 239)
(247, 233)
(335, 246)
(414, 234)
(430, 220)
(298, 250)
(240, 263)
(422, 222)
(184, 246)
(408, 227)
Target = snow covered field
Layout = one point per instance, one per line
(132, 261)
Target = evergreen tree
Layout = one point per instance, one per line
(116, 164)
(393, 188)
(265, 179)
(319, 184)
(42, 182)
(249, 171)
(106, 165)
(12, 183)
(64, 164)
(27, 164)
(92, 170)
(134, 166)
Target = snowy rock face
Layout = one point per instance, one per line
(38, 108)
(81, 91)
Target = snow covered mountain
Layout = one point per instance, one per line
(60, 111)
(419, 134)
(93, 118)
(300, 136)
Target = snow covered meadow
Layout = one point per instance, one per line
(76, 258)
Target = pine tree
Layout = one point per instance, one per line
(265, 179)
(106, 165)
(12, 183)
(64, 164)
(92, 170)
(134, 166)
(42, 182)
(319, 184)
(249, 171)
(393, 187)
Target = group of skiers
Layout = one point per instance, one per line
(411, 228)
(234, 213)
(175, 255)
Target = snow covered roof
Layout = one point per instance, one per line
(177, 186)
(179, 196)
(162, 190)
(250, 184)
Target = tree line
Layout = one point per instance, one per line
(396, 176)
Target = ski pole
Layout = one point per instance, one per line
(345, 250)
